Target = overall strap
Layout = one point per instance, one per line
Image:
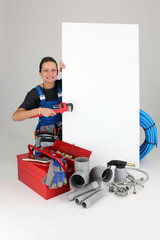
(41, 96)
(44, 121)
(59, 92)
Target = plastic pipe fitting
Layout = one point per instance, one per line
(84, 196)
(100, 173)
(120, 175)
(94, 185)
(92, 199)
(81, 175)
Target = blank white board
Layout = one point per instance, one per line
(101, 79)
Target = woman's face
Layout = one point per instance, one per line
(49, 72)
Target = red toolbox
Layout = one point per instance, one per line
(32, 173)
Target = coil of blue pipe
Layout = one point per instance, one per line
(151, 138)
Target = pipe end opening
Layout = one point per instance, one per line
(84, 205)
(77, 181)
(107, 175)
(82, 159)
(77, 201)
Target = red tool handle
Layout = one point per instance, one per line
(31, 147)
(62, 108)
(37, 116)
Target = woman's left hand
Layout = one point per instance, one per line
(62, 65)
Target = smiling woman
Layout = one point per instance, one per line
(42, 100)
(48, 70)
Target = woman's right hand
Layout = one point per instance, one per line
(47, 112)
(22, 114)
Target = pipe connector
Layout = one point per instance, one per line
(101, 173)
(81, 175)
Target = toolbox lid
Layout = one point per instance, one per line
(70, 149)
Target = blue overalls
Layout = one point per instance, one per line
(48, 123)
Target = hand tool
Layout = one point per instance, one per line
(49, 153)
(61, 108)
(43, 160)
(34, 158)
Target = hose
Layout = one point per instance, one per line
(143, 180)
(151, 138)
(121, 188)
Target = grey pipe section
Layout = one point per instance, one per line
(92, 199)
(71, 196)
(100, 173)
(120, 175)
(81, 175)
(82, 197)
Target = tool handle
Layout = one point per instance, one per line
(39, 115)
(63, 107)
(31, 147)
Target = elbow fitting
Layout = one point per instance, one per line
(81, 175)
(100, 173)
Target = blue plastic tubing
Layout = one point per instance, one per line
(151, 138)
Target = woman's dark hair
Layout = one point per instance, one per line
(47, 59)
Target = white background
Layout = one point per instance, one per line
(102, 82)
(29, 31)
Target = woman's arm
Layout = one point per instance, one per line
(22, 114)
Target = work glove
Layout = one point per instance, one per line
(55, 176)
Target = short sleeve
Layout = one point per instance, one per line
(31, 100)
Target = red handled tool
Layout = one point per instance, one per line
(61, 108)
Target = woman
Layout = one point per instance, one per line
(42, 100)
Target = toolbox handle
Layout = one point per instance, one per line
(31, 147)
